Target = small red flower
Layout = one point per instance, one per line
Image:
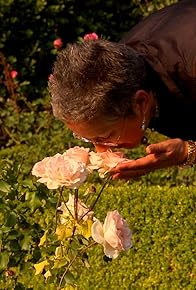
(58, 43)
(91, 36)
(50, 78)
(13, 74)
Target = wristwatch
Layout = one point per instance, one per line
(191, 154)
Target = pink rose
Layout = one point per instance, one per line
(91, 36)
(60, 170)
(82, 210)
(51, 77)
(58, 43)
(114, 234)
(13, 74)
(96, 161)
(105, 161)
(79, 153)
(111, 159)
(39, 169)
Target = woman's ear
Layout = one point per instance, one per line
(142, 101)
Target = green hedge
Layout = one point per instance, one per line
(162, 258)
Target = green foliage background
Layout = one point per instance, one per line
(159, 206)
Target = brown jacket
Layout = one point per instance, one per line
(167, 40)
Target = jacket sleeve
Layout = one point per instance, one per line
(167, 40)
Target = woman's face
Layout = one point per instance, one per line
(125, 132)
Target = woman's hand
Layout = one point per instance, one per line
(164, 154)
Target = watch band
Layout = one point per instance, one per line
(191, 154)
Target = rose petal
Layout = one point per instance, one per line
(52, 184)
(110, 251)
(110, 232)
(39, 168)
(78, 153)
(97, 232)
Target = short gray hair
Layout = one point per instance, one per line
(96, 78)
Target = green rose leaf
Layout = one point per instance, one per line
(60, 263)
(69, 277)
(68, 287)
(11, 220)
(64, 231)
(85, 229)
(47, 274)
(34, 202)
(4, 259)
(40, 267)
(4, 186)
(43, 238)
(25, 243)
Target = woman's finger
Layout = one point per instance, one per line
(147, 162)
(129, 174)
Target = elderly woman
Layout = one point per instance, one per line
(110, 93)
